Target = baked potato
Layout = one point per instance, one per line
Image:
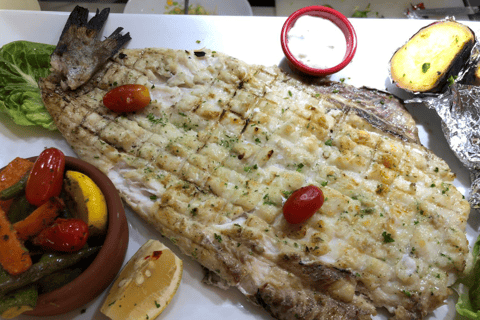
(434, 54)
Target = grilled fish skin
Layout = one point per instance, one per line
(214, 156)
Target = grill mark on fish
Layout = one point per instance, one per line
(232, 171)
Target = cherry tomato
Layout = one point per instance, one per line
(302, 204)
(127, 98)
(46, 178)
(64, 235)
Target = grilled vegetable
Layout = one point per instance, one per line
(11, 174)
(20, 209)
(58, 279)
(434, 54)
(42, 217)
(65, 235)
(18, 302)
(48, 264)
(127, 98)
(14, 258)
(302, 204)
(46, 178)
(14, 190)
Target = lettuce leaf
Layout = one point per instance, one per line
(468, 304)
(22, 64)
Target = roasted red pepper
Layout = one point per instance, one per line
(127, 98)
(46, 178)
(302, 204)
(65, 235)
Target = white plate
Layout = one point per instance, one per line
(255, 40)
(215, 7)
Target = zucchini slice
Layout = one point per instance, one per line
(431, 56)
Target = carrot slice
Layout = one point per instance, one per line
(11, 174)
(42, 217)
(14, 258)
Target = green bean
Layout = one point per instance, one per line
(58, 279)
(20, 209)
(19, 301)
(47, 264)
(16, 189)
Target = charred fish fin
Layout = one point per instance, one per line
(79, 53)
(118, 39)
(98, 20)
(77, 17)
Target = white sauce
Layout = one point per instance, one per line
(317, 42)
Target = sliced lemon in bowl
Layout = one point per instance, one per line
(146, 284)
(88, 202)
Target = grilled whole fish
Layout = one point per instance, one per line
(210, 161)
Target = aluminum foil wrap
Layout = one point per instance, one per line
(459, 109)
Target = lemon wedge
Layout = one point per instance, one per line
(146, 284)
(88, 201)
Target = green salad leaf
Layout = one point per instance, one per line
(22, 64)
(468, 304)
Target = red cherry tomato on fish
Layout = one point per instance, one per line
(127, 98)
(64, 235)
(302, 204)
(46, 178)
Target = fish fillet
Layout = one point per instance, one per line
(210, 161)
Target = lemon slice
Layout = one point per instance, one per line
(146, 284)
(88, 201)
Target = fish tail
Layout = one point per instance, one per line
(79, 53)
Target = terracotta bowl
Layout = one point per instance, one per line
(326, 13)
(102, 271)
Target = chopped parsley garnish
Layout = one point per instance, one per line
(407, 293)
(250, 168)
(300, 166)
(387, 237)
(155, 120)
(328, 142)
(287, 193)
(217, 237)
(266, 200)
(425, 67)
